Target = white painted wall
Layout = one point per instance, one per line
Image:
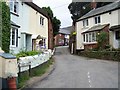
(29, 23)
(107, 18)
(34, 25)
(79, 37)
(34, 61)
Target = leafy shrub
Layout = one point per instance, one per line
(102, 38)
(27, 53)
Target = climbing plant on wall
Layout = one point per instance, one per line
(5, 27)
(0, 24)
(102, 38)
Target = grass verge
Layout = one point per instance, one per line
(37, 71)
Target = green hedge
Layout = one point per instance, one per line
(5, 27)
(107, 55)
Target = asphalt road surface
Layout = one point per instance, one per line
(73, 71)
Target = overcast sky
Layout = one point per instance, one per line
(59, 8)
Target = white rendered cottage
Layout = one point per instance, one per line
(106, 19)
(29, 26)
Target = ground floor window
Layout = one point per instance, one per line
(89, 37)
(117, 34)
(14, 37)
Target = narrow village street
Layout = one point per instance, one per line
(73, 71)
(46, 44)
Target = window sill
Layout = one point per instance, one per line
(85, 27)
(90, 43)
(97, 24)
(14, 14)
(42, 26)
(12, 46)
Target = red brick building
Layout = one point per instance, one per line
(59, 40)
(63, 37)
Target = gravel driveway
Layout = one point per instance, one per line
(80, 72)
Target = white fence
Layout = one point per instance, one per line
(34, 61)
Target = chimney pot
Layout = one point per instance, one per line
(93, 5)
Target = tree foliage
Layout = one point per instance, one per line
(56, 25)
(49, 11)
(0, 24)
(77, 9)
(5, 27)
(55, 22)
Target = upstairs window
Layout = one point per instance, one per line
(85, 23)
(14, 6)
(41, 20)
(97, 19)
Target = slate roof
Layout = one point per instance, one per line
(101, 10)
(96, 28)
(116, 27)
(66, 30)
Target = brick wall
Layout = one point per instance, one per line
(50, 35)
(90, 46)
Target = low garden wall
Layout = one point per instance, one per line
(107, 55)
(34, 65)
(25, 63)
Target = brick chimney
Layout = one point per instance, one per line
(93, 4)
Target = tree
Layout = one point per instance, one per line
(49, 11)
(78, 9)
(56, 25)
(55, 22)
(5, 27)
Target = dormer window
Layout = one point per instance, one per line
(85, 23)
(97, 19)
(14, 6)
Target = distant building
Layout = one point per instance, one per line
(62, 38)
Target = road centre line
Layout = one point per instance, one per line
(88, 74)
